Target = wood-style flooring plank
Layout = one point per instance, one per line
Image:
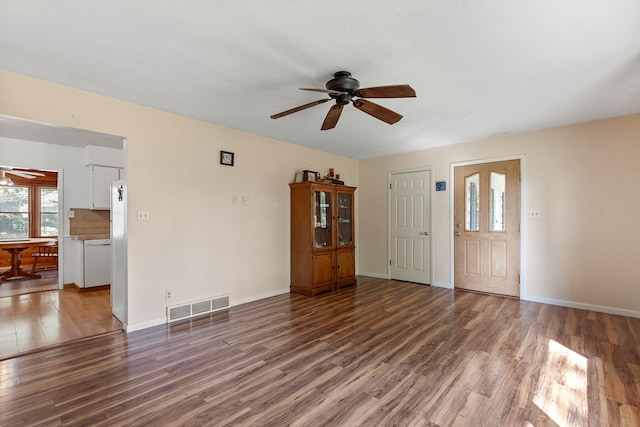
(48, 318)
(387, 353)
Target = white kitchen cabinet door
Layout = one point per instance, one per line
(101, 179)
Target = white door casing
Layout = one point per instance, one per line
(410, 219)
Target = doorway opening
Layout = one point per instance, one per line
(29, 230)
(37, 320)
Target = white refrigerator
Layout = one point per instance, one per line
(119, 250)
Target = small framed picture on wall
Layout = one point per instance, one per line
(226, 158)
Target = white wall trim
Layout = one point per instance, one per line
(253, 298)
(144, 325)
(431, 190)
(582, 306)
(523, 209)
(163, 321)
(442, 285)
(376, 275)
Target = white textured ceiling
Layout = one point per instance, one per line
(480, 68)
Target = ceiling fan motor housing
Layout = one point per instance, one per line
(343, 82)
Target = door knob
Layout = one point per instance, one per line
(458, 234)
(424, 233)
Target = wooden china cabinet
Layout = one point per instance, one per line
(322, 237)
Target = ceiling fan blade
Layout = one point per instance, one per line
(377, 111)
(300, 108)
(28, 175)
(322, 90)
(332, 117)
(394, 91)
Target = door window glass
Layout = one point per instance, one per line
(497, 206)
(472, 202)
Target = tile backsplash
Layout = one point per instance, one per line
(87, 221)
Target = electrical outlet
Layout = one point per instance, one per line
(167, 295)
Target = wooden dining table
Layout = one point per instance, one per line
(15, 247)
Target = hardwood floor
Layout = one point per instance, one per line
(386, 353)
(20, 286)
(40, 319)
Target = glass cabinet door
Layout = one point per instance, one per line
(323, 220)
(345, 218)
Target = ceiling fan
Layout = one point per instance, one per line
(343, 89)
(5, 180)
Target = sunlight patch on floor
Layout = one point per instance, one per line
(562, 389)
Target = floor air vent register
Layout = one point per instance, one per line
(192, 309)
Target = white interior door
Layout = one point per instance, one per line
(410, 220)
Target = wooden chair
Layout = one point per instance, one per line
(46, 252)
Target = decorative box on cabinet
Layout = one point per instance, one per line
(322, 237)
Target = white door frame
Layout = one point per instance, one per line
(431, 228)
(523, 216)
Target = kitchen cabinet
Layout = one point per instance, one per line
(101, 178)
(96, 262)
(88, 262)
(322, 237)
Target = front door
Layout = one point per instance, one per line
(487, 227)
(410, 220)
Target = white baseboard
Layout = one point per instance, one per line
(144, 325)
(163, 321)
(583, 306)
(442, 285)
(376, 275)
(259, 297)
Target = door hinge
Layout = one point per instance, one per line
(389, 262)
(390, 186)
(518, 279)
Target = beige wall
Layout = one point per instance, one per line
(584, 180)
(196, 243)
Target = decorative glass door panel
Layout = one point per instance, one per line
(323, 211)
(472, 203)
(345, 219)
(497, 209)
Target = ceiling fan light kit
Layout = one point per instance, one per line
(342, 88)
(6, 181)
